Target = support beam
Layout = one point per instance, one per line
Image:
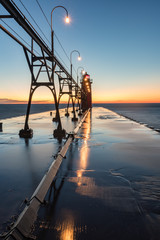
(15, 12)
(65, 78)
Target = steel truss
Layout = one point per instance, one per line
(39, 64)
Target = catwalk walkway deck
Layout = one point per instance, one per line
(108, 187)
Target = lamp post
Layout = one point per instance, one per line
(79, 58)
(67, 20)
(57, 132)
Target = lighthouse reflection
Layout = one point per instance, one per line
(63, 214)
(84, 151)
(67, 227)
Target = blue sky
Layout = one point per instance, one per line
(119, 42)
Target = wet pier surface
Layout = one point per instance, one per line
(108, 186)
(23, 162)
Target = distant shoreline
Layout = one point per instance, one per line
(16, 110)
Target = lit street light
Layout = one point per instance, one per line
(79, 58)
(67, 20)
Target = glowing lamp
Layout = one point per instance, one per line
(79, 58)
(67, 19)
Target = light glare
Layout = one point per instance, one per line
(79, 58)
(67, 20)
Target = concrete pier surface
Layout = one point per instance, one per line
(108, 186)
(23, 162)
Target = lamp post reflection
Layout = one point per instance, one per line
(67, 227)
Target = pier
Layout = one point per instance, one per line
(77, 172)
(109, 179)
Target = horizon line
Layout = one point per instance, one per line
(15, 101)
(49, 103)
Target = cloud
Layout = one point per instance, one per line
(13, 101)
(10, 101)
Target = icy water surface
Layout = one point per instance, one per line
(147, 113)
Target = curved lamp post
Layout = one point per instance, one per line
(79, 58)
(57, 118)
(67, 20)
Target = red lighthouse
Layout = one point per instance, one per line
(86, 97)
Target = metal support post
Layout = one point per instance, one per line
(74, 113)
(1, 129)
(79, 110)
(28, 132)
(67, 113)
(58, 133)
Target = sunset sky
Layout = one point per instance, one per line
(119, 41)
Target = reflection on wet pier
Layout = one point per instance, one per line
(98, 190)
(107, 186)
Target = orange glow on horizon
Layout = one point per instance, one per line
(16, 101)
(105, 96)
(12, 101)
(128, 94)
(127, 101)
